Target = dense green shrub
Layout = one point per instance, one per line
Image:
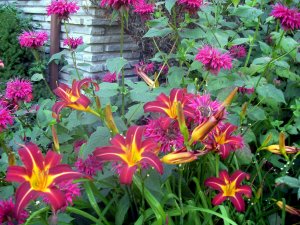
(17, 60)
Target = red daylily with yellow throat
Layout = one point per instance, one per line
(71, 97)
(39, 177)
(132, 152)
(230, 187)
(168, 105)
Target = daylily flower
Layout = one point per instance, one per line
(132, 152)
(39, 177)
(222, 140)
(71, 97)
(182, 156)
(230, 188)
(168, 105)
(288, 208)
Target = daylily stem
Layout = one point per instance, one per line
(82, 213)
(122, 71)
(33, 215)
(180, 195)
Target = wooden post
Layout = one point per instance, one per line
(54, 48)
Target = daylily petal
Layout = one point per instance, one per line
(83, 101)
(179, 157)
(126, 174)
(148, 145)
(56, 198)
(109, 153)
(52, 159)
(177, 94)
(238, 202)
(62, 91)
(63, 173)
(134, 137)
(238, 176)
(56, 108)
(246, 190)
(214, 183)
(151, 159)
(119, 141)
(31, 157)
(24, 195)
(218, 199)
(156, 106)
(224, 150)
(16, 174)
(223, 175)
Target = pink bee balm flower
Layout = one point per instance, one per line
(203, 107)
(230, 188)
(5, 118)
(8, 214)
(213, 60)
(90, 166)
(144, 9)
(245, 90)
(77, 145)
(289, 18)
(1, 64)
(222, 140)
(73, 43)
(33, 39)
(62, 8)
(110, 77)
(238, 51)
(166, 132)
(19, 90)
(191, 5)
(117, 4)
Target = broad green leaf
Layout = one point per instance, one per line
(169, 5)
(175, 76)
(245, 11)
(266, 49)
(37, 77)
(115, 65)
(239, 41)
(269, 91)
(160, 22)
(81, 48)
(6, 192)
(195, 33)
(287, 74)
(288, 44)
(58, 56)
(122, 209)
(235, 2)
(256, 113)
(134, 112)
(244, 155)
(290, 181)
(155, 32)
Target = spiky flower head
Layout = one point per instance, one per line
(19, 90)
(117, 4)
(213, 60)
(33, 39)
(191, 5)
(8, 215)
(289, 18)
(89, 166)
(238, 51)
(5, 118)
(109, 77)
(143, 8)
(73, 42)
(62, 8)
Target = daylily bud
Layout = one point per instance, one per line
(229, 98)
(267, 140)
(144, 76)
(11, 159)
(288, 208)
(98, 103)
(178, 157)
(276, 149)
(282, 144)
(55, 139)
(110, 123)
(181, 121)
(244, 110)
(156, 84)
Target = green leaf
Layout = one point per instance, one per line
(288, 44)
(235, 2)
(58, 56)
(266, 49)
(256, 113)
(281, 72)
(239, 41)
(115, 65)
(134, 112)
(269, 91)
(248, 12)
(175, 76)
(244, 155)
(290, 181)
(195, 33)
(169, 5)
(122, 209)
(155, 32)
(81, 48)
(37, 77)
(152, 201)
(6, 192)
(160, 22)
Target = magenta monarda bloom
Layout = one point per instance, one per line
(143, 8)
(203, 107)
(8, 214)
(62, 8)
(221, 139)
(73, 43)
(238, 51)
(19, 90)
(166, 133)
(191, 5)
(5, 118)
(117, 4)
(33, 39)
(1, 64)
(289, 18)
(230, 188)
(109, 77)
(213, 60)
(90, 166)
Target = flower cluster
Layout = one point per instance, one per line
(238, 51)
(89, 166)
(5, 118)
(117, 4)
(62, 8)
(8, 214)
(289, 18)
(191, 6)
(33, 39)
(213, 60)
(19, 90)
(109, 77)
(72, 42)
(143, 8)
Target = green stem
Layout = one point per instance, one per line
(123, 75)
(211, 30)
(217, 164)
(36, 213)
(180, 196)
(82, 213)
(252, 43)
